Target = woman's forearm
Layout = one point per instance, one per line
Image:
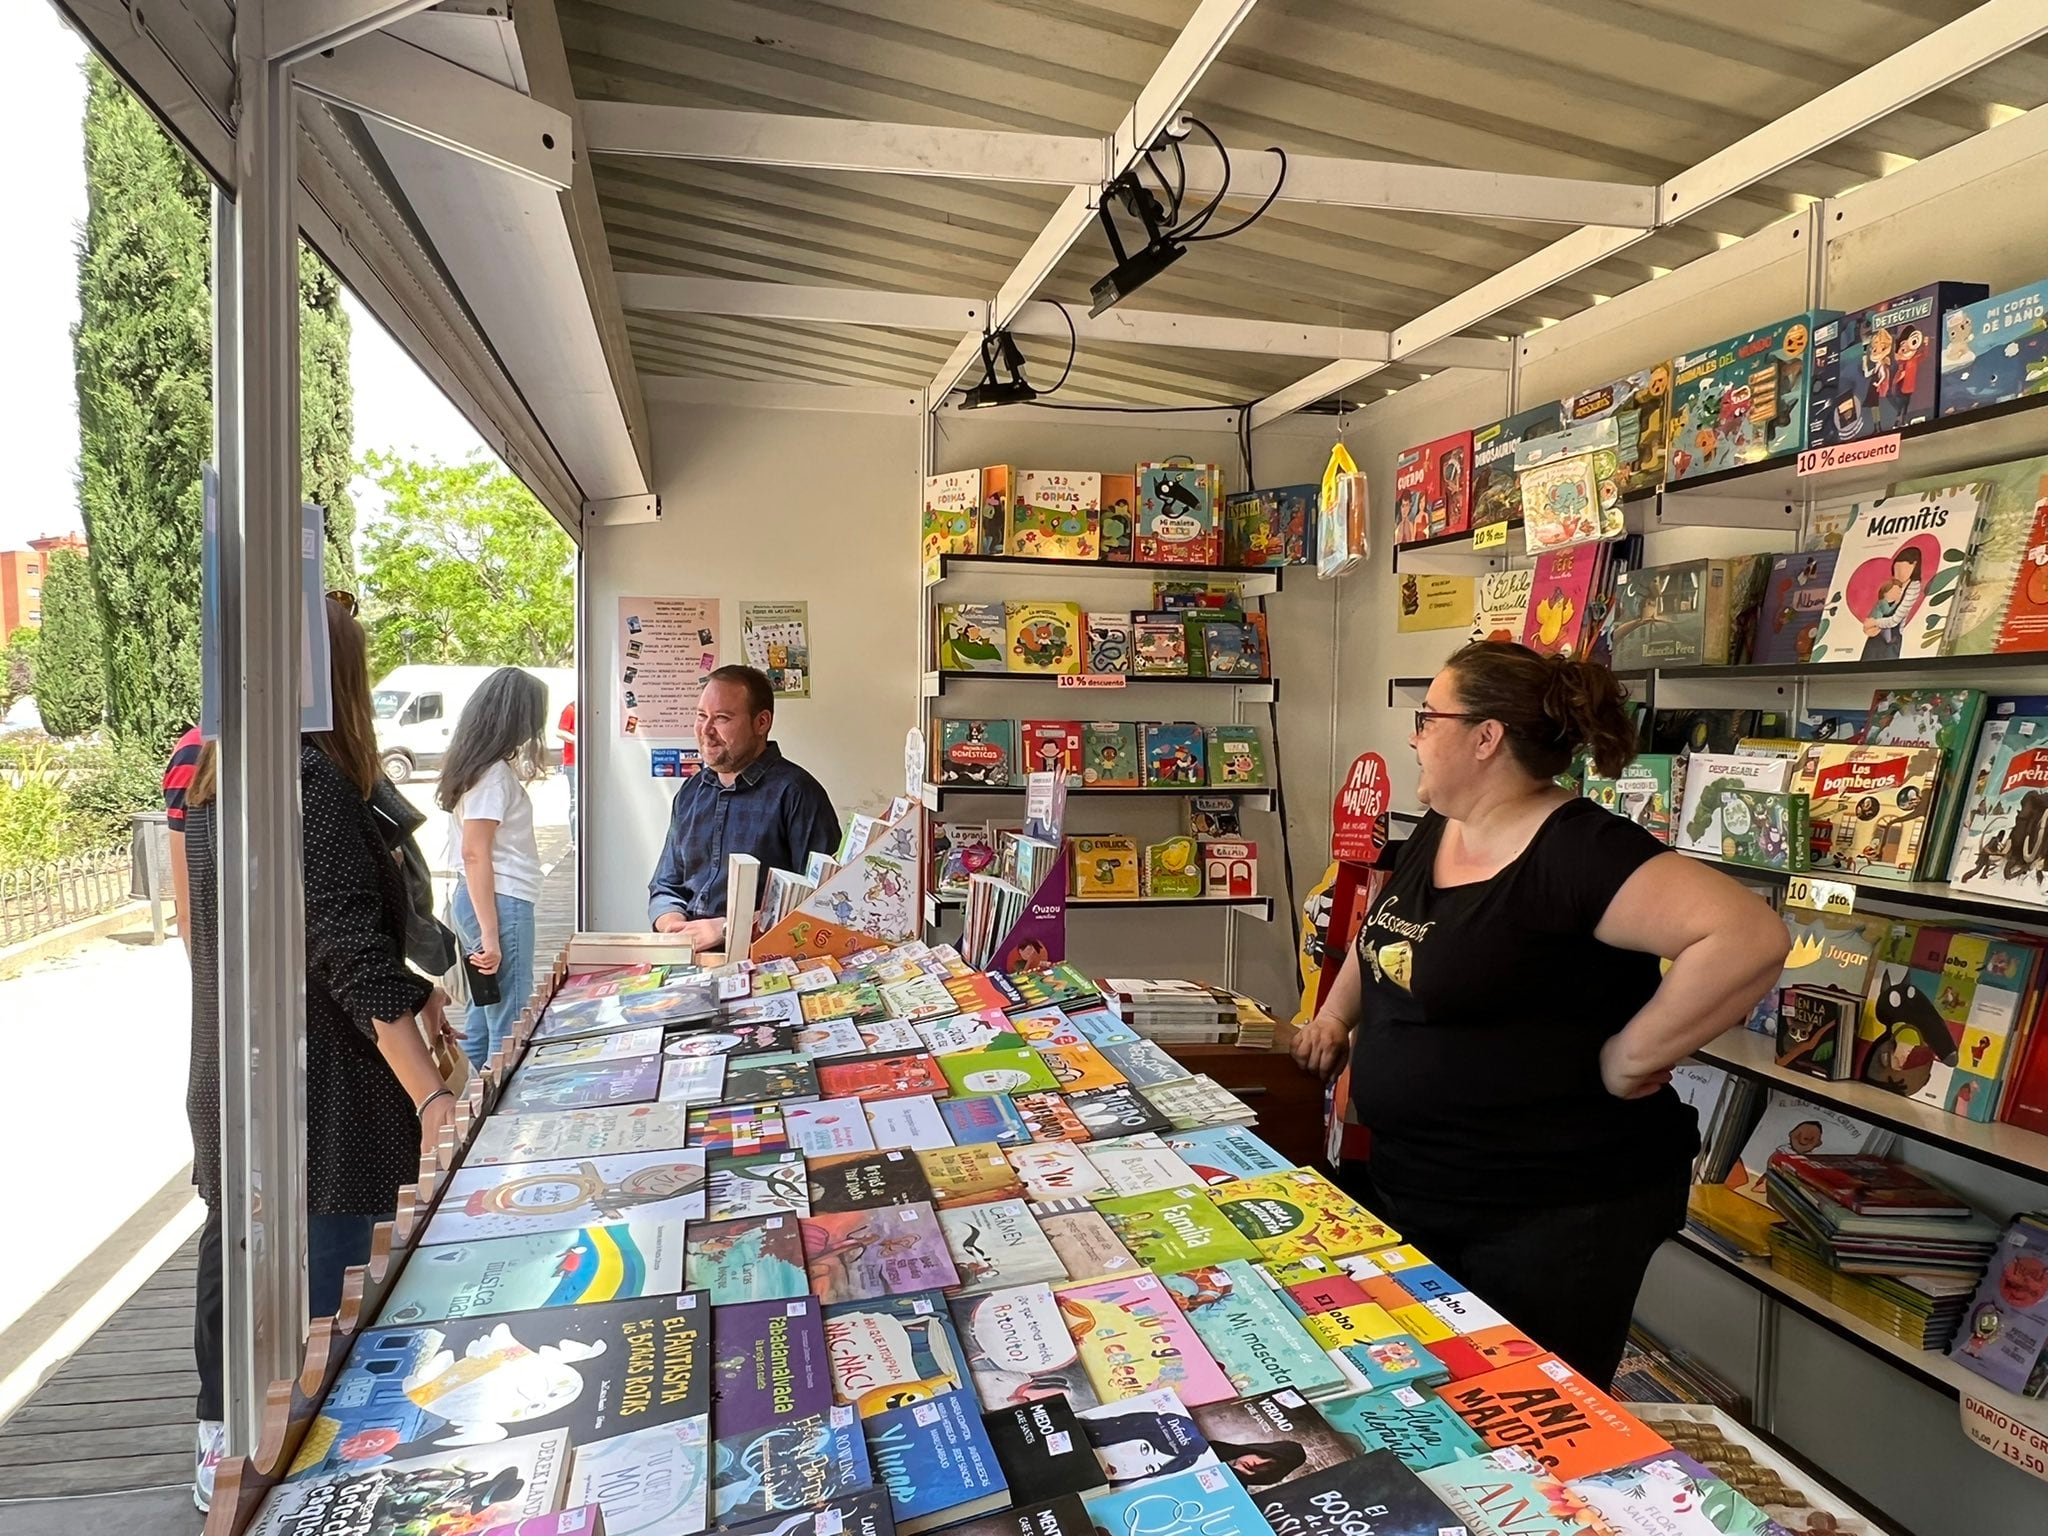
(482, 881)
(400, 1044)
(1712, 984)
(1346, 996)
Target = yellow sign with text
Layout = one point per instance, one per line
(1820, 895)
(1492, 536)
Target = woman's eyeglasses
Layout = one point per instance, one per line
(1424, 716)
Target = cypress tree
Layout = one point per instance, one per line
(326, 412)
(71, 693)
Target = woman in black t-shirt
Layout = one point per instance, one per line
(1510, 1028)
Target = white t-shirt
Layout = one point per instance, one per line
(515, 859)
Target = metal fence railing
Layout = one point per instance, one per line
(40, 898)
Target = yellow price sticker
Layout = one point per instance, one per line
(1820, 895)
(1492, 536)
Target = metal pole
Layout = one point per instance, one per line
(262, 902)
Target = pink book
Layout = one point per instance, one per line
(1559, 596)
(1133, 1337)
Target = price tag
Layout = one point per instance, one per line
(1820, 895)
(1492, 536)
(2005, 1436)
(1876, 450)
(1092, 680)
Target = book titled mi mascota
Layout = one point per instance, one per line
(1260, 1344)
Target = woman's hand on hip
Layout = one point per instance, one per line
(1625, 1080)
(1319, 1046)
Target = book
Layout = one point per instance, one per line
(1546, 1408)
(918, 998)
(1993, 350)
(2001, 814)
(935, 1459)
(1106, 643)
(968, 1175)
(1712, 779)
(1496, 496)
(738, 1129)
(688, 1080)
(975, 752)
(758, 1184)
(1433, 488)
(1270, 527)
(1235, 756)
(1829, 951)
(1050, 1118)
(1374, 1492)
(862, 1512)
(862, 1181)
(1103, 868)
(1501, 604)
(764, 1076)
(1056, 1170)
(893, 1350)
(1252, 1334)
(1794, 1125)
(911, 1123)
(1159, 645)
(1675, 615)
(1207, 1499)
(887, 1250)
(1647, 792)
(1272, 1437)
(1137, 1163)
(1051, 746)
(1175, 1229)
(1065, 1516)
(1413, 1422)
(579, 1520)
(1172, 754)
(1043, 637)
(1948, 720)
(997, 1246)
(751, 1258)
(1109, 754)
(984, 1120)
(1086, 1244)
(971, 637)
(647, 1479)
(558, 1196)
(1565, 500)
(1179, 514)
(439, 1494)
(1143, 1437)
(1145, 1064)
(1287, 1215)
(563, 1053)
(809, 1460)
(1639, 405)
(1665, 1495)
(491, 1276)
(1510, 1491)
(1561, 592)
(966, 512)
(828, 1126)
(1219, 1154)
(1132, 1339)
(1816, 1032)
(1118, 1111)
(2001, 578)
(1044, 1451)
(994, 1070)
(616, 1129)
(1795, 594)
(583, 1085)
(770, 1364)
(1056, 515)
(1232, 650)
(898, 1075)
(1897, 576)
(1018, 1348)
(859, 1001)
(1870, 807)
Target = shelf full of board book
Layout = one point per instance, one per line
(1260, 907)
(1963, 669)
(1257, 690)
(1258, 798)
(1256, 581)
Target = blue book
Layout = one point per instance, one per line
(1221, 1153)
(1102, 1027)
(794, 1465)
(1206, 1500)
(935, 1459)
(1426, 1282)
(985, 1118)
(1412, 1422)
(1398, 1360)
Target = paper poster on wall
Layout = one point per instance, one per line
(667, 647)
(1434, 602)
(777, 638)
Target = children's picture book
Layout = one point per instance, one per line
(1995, 350)
(1080, 1068)
(560, 1196)
(495, 1275)
(1109, 754)
(1052, 746)
(1018, 1348)
(1546, 1408)
(892, 1351)
(871, 1078)
(1718, 814)
(2004, 594)
(1639, 405)
(616, 1129)
(1143, 1437)
(1561, 593)
(830, 1037)
(1999, 846)
(965, 513)
(809, 1460)
(1569, 496)
(888, 1250)
(1172, 753)
(968, 1175)
(751, 1258)
(1671, 1494)
(1869, 806)
(975, 752)
(1373, 1492)
(996, 1070)
(1412, 1422)
(1794, 1125)
(1219, 1154)
(1119, 518)
(1180, 509)
(1500, 604)
(687, 1081)
(1742, 400)
(1269, 528)
(564, 1053)
(1236, 756)
(864, 1512)
(1133, 1338)
(1231, 650)
(1511, 1490)
(758, 1184)
(1496, 497)
(1044, 1451)
(1173, 1229)
(1118, 1111)
(984, 1120)
(1250, 1331)
(1948, 720)
(1138, 1162)
(1287, 1215)
(971, 637)
(583, 1085)
(911, 1123)
(1647, 791)
(1874, 369)
(1103, 868)
(861, 1181)
(765, 1076)
(1050, 1118)
(770, 1364)
(1056, 1170)
(1897, 576)
(464, 1488)
(1433, 489)
(1106, 643)
(1145, 1064)
(1795, 594)
(997, 1245)
(1087, 1245)
(1043, 637)
(935, 1459)
(1056, 515)
(738, 1129)
(1208, 1499)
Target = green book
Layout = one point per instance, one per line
(1169, 1230)
(1237, 758)
(1260, 1344)
(1945, 718)
(1412, 1422)
(1016, 1070)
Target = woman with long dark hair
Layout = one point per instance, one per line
(1510, 1025)
(375, 1102)
(496, 749)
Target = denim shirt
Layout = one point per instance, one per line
(773, 810)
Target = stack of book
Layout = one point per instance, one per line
(1651, 1371)
(1175, 1012)
(1922, 1310)
(993, 907)
(1869, 1216)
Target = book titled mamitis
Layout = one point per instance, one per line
(568, 1193)
(1546, 1408)
(935, 1459)
(752, 1258)
(1897, 575)
(1019, 1348)
(887, 1250)
(892, 1351)
(1133, 1338)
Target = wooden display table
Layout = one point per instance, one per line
(1288, 1100)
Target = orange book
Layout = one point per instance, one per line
(1546, 1408)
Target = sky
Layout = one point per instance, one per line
(396, 406)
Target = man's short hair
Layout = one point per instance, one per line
(760, 692)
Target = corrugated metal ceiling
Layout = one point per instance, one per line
(1621, 90)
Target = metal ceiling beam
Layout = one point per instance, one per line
(1158, 102)
(1943, 56)
(443, 103)
(295, 30)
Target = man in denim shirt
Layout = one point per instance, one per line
(747, 798)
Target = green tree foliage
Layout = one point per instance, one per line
(464, 566)
(18, 666)
(143, 351)
(71, 677)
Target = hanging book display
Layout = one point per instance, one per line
(1340, 516)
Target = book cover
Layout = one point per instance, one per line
(1207, 1499)
(1235, 755)
(1086, 1244)
(1119, 1111)
(1546, 1408)
(1109, 754)
(965, 513)
(626, 1043)
(827, 1127)
(1019, 1348)
(1671, 615)
(1496, 495)
(893, 1351)
(1639, 405)
(1994, 350)
(1374, 1492)
(864, 1512)
(1714, 783)
(857, 1000)
(652, 1478)
(971, 637)
(1174, 1229)
(617, 1130)
(984, 1120)
(807, 1461)
(969, 1175)
(967, 1032)
(1056, 1170)
(568, 1193)
(1896, 578)
(1050, 1118)
(583, 1085)
(442, 1494)
(579, 1520)
(590, 1372)
(1869, 807)
(1260, 1344)
(1672, 1495)
(1139, 1163)
(1647, 791)
(1816, 1032)
(1057, 985)
(495, 1275)
(1433, 489)
(758, 1184)
(1948, 720)
(1143, 1437)
(1412, 1422)
(862, 1181)
(1994, 851)
(1172, 754)
(1795, 594)
(1011, 1071)
(1103, 868)
(918, 998)
(1561, 591)
(869, 1078)
(1218, 1154)
(752, 1258)
(1064, 1516)
(1270, 527)
(1051, 746)
(1564, 498)
(975, 752)
(1056, 515)
(1159, 645)
(1742, 400)
(738, 1129)
(765, 1076)
(1173, 868)
(1513, 1493)
(1179, 514)
(690, 1080)
(998, 1246)
(1500, 605)
(1106, 643)
(1043, 637)
(887, 1250)
(1286, 1215)
(1232, 650)
(1145, 1064)
(770, 1364)
(1043, 1450)
(1272, 1437)
(1102, 1027)
(935, 1459)
(912, 1123)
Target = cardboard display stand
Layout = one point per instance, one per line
(873, 900)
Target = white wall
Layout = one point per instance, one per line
(760, 505)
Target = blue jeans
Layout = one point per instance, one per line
(485, 1026)
(333, 1243)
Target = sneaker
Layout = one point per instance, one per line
(212, 1444)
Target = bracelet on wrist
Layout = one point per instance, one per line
(439, 1093)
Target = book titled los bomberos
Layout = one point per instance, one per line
(935, 1459)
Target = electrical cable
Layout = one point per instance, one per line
(1073, 346)
(1257, 213)
(1188, 230)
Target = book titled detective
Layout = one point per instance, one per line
(1064, 1516)
(1043, 1450)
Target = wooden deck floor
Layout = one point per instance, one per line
(117, 1416)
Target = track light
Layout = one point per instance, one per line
(1133, 270)
(1000, 346)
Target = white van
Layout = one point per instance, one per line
(416, 707)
